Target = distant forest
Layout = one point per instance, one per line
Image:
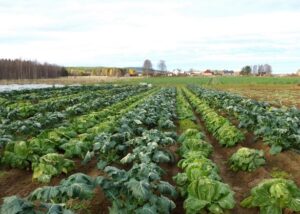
(101, 71)
(26, 69)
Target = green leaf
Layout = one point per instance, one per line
(194, 205)
(247, 202)
(166, 188)
(147, 209)
(246, 159)
(102, 164)
(270, 209)
(181, 179)
(295, 204)
(211, 194)
(164, 204)
(128, 158)
(275, 149)
(161, 157)
(140, 189)
(273, 195)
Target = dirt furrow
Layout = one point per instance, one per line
(240, 182)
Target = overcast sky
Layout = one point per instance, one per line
(196, 34)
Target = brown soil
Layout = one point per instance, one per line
(240, 182)
(19, 182)
(171, 170)
(287, 161)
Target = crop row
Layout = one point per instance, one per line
(279, 127)
(139, 139)
(70, 139)
(43, 120)
(200, 182)
(206, 193)
(220, 127)
(35, 95)
(17, 106)
(25, 110)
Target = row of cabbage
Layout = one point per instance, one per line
(270, 195)
(47, 153)
(54, 113)
(23, 110)
(35, 95)
(200, 183)
(278, 127)
(220, 127)
(138, 141)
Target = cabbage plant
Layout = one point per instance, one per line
(273, 195)
(246, 159)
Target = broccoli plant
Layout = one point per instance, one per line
(16, 205)
(141, 185)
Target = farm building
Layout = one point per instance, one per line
(208, 73)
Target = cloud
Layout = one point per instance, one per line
(200, 34)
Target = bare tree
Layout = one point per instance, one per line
(254, 69)
(147, 67)
(162, 65)
(260, 70)
(267, 69)
(25, 69)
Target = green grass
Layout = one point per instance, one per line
(215, 81)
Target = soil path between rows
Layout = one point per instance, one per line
(171, 170)
(240, 182)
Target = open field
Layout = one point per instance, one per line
(70, 80)
(276, 90)
(179, 145)
(287, 95)
(163, 81)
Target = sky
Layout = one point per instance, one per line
(199, 34)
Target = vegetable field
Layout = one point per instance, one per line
(143, 148)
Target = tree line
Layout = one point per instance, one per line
(100, 71)
(27, 69)
(148, 68)
(259, 70)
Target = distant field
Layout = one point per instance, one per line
(223, 80)
(70, 80)
(277, 90)
(237, 81)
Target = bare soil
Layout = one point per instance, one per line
(171, 170)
